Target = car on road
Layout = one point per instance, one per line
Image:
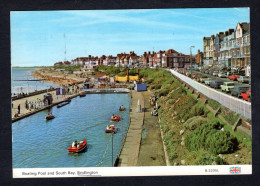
(233, 77)
(215, 73)
(243, 79)
(202, 78)
(216, 84)
(227, 86)
(222, 75)
(208, 80)
(247, 95)
(238, 89)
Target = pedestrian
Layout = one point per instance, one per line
(19, 107)
(26, 104)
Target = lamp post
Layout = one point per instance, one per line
(112, 149)
(191, 59)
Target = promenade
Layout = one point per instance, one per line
(130, 152)
(26, 112)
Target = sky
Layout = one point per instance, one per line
(39, 38)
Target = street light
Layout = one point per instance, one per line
(191, 59)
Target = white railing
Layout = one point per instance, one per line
(237, 105)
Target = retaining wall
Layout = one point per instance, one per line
(237, 105)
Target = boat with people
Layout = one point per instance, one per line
(122, 108)
(115, 118)
(78, 146)
(111, 129)
(49, 116)
(82, 94)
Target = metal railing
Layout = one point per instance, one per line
(237, 105)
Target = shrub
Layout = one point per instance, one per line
(230, 116)
(183, 106)
(209, 137)
(163, 92)
(207, 158)
(197, 110)
(213, 104)
(168, 136)
(194, 122)
(172, 155)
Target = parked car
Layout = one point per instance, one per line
(243, 79)
(208, 80)
(203, 71)
(247, 95)
(202, 78)
(193, 75)
(238, 89)
(216, 84)
(197, 77)
(233, 77)
(206, 72)
(211, 72)
(227, 86)
(215, 73)
(222, 75)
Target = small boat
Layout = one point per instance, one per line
(79, 147)
(116, 118)
(111, 129)
(63, 104)
(82, 94)
(68, 100)
(49, 117)
(122, 109)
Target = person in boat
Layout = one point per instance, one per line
(74, 144)
(121, 107)
(48, 114)
(113, 116)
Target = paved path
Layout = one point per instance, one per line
(151, 150)
(130, 152)
(24, 111)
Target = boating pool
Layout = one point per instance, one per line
(38, 143)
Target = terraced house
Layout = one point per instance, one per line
(208, 59)
(234, 50)
(174, 59)
(241, 46)
(225, 47)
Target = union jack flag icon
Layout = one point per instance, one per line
(235, 170)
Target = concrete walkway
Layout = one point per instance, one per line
(24, 112)
(130, 152)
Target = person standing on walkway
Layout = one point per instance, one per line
(19, 107)
(26, 104)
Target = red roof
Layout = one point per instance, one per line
(99, 75)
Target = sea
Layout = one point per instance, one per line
(27, 86)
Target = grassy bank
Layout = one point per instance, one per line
(193, 136)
